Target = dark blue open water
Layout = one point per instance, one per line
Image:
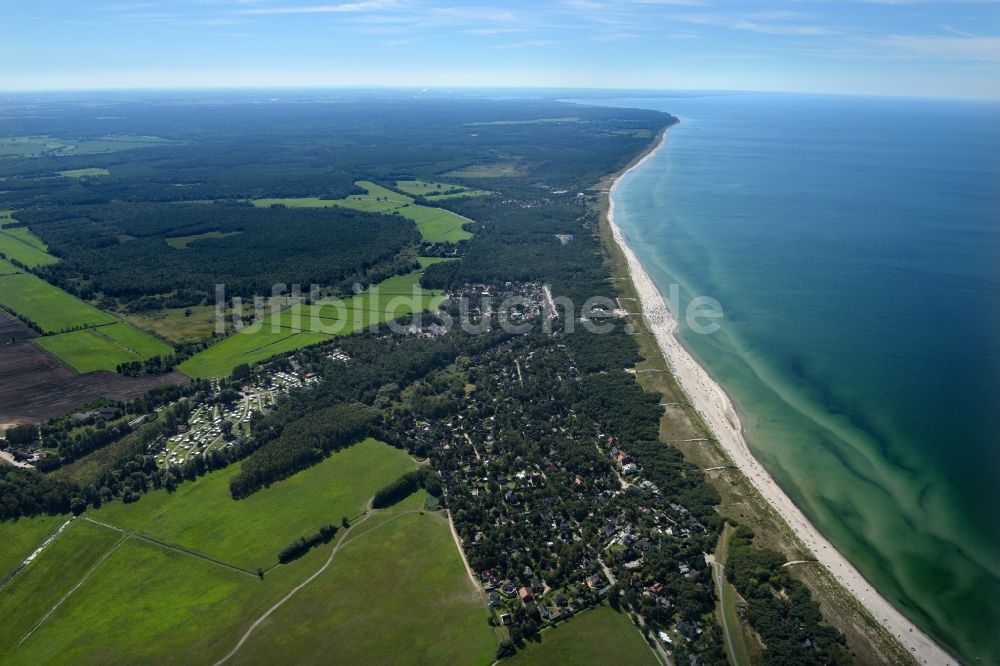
(854, 244)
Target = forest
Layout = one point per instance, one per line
(248, 249)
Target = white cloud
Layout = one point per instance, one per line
(965, 48)
(346, 7)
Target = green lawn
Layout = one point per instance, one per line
(397, 593)
(251, 532)
(48, 306)
(53, 573)
(84, 173)
(22, 536)
(299, 326)
(140, 342)
(436, 225)
(594, 637)
(86, 350)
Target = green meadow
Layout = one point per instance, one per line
(20, 244)
(434, 191)
(86, 350)
(251, 532)
(48, 306)
(597, 636)
(85, 338)
(139, 342)
(7, 268)
(436, 225)
(396, 593)
(136, 601)
(22, 536)
(27, 598)
(300, 325)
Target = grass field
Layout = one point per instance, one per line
(594, 637)
(436, 225)
(102, 343)
(299, 326)
(397, 593)
(174, 325)
(22, 536)
(251, 532)
(146, 603)
(21, 244)
(434, 191)
(53, 573)
(48, 306)
(86, 350)
(84, 173)
(141, 343)
(103, 347)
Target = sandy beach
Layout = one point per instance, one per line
(716, 409)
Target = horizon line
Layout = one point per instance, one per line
(223, 87)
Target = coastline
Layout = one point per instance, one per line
(719, 415)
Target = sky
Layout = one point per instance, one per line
(891, 47)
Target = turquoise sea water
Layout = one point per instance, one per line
(854, 244)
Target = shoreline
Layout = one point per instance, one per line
(718, 413)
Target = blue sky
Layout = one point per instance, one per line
(896, 47)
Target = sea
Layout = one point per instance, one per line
(853, 244)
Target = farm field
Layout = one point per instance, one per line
(436, 225)
(22, 536)
(35, 386)
(596, 636)
(20, 244)
(424, 608)
(48, 306)
(299, 326)
(146, 602)
(141, 343)
(86, 350)
(251, 532)
(94, 339)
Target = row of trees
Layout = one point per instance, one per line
(406, 485)
(303, 545)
